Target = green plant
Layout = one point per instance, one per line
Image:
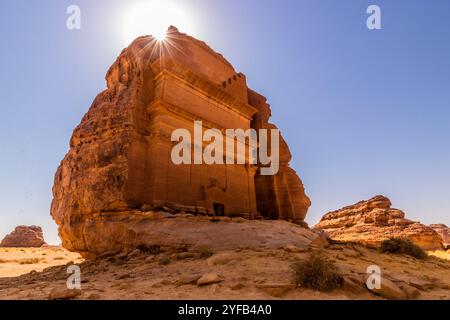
(403, 246)
(317, 272)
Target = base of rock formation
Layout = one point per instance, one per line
(121, 231)
(253, 274)
(23, 236)
(372, 221)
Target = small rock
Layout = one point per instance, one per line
(220, 259)
(122, 276)
(237, 286)
(185, 255)
(93, 296)
(188, 279)
(321, 241)
(411, 292)
(276, 289)
(421, 284)
(167, 209)
(208, 278)
(63, 294)
(149, 259)
(292, 248)
(390, 290)
(353, 285)
(164, 261)
(350, 253)
(146, 207)
(122, 255)
(135, 253)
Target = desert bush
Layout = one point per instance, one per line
(317, 272)
(403, 246)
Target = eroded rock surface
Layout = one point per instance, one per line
(443, 232)
(372, 221)
(24, 237)
(120, 154)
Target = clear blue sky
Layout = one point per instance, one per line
(364, 112)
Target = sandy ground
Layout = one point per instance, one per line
(244, 274)
(18, 261)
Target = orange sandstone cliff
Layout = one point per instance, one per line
(118, 169)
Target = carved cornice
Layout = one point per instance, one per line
(165, 67)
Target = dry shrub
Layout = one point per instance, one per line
(403, 246)
(317, 273)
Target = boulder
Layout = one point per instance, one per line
(208, 278)
(24, 237)
(390, 290)
(372, 221)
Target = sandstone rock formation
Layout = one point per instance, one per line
(443, 232)
(119, 160)
(24, 237)
(372, 221)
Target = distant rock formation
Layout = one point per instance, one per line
(372, 221)
(24, 237)
(443, 232)
(119, 162)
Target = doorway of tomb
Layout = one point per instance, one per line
(219, 209)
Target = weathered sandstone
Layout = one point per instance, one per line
(372, 221)
(443, 232)
(24, 237)
(119, 160)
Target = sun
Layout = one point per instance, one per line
(153, 17)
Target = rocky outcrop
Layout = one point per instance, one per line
(443, 231)
(119, 160)
(24, 237)
(372, 221)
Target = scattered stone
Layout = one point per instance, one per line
(390, 290)
(164, 261)
(185, 255)
(353, 285)
(147, 207)
(237, 286)
(220, 259)
(293, 249)
(411, 292)
(421, 284)
(93, 296)
(188, 279)
(350, 253)
(208, 278)
(276, 289)
(63, 294)
(135, 253)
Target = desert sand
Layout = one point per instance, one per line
(242, 274)
(18, 261)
